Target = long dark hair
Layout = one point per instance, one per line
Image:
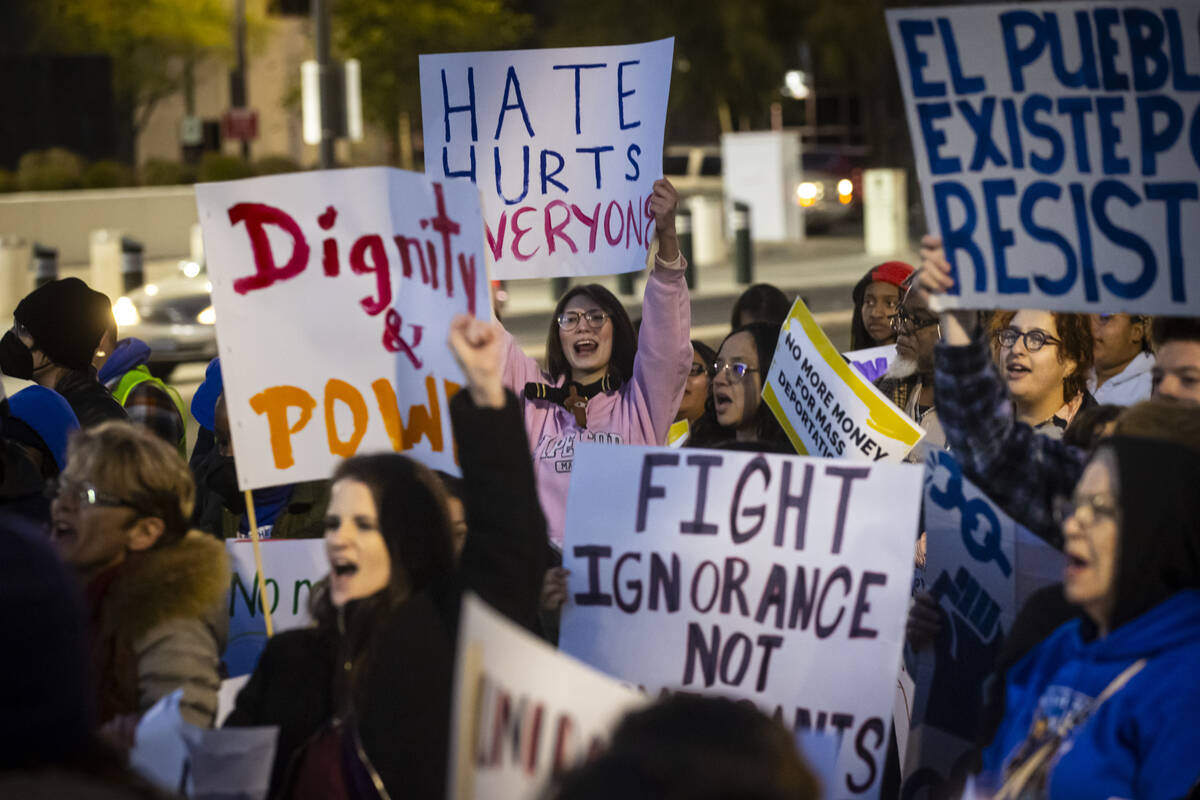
(709, 433)
(624, 339)
(763, 302)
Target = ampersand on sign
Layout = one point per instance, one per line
(395, 342)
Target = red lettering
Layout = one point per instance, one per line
(557, 230)
(256, 216)
(496, 243)
(593, 223)
(447, 228)
(379, 265)
(330, 258)
(631, 226)
(519, 233)
(468, 272)
(649, 216)
(614, 240)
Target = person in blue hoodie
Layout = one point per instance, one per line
(1109, 705)
(122, 367)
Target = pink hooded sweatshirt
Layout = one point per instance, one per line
(640, 412)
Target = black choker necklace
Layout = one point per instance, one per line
(572, 395)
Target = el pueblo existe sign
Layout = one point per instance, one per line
(1058, 147)
(564, 144)
(781, 580)
(333, 294)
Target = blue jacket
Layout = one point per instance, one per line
(1144, 742)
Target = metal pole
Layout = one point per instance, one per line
(683, 229)
(132, 272)
(45, 264)
(743, 250)
(320, 10)
(237, 88)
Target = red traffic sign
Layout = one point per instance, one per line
(239, 124)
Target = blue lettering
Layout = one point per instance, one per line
(464, 173)
(1173, 194)
(1103, 191)
(524, 180)
(1181, 79)
(448, 109)
(1002, 238)
(910, 29)
(548, 177)
(934, 138)
(1146, 56)
(981, 126)
(511, 82)
(1047, 165)
(1154, 139)
(962, 83)
(1086, 259)
(622, 94)
(1114, 81)
(595, 151)
(1085, 75)
(1036, 191)
(578, 69)
(955, 239)
(1077, 107)
(1110, 135)
(637, 169)
(1019, 57)
(1013, 126)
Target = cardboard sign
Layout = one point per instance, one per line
(523, 712)
(1058, 151)
(872, 362)
(826, 407)
(564, 144)
(981, 566)
(292, 567)
(782, 580)
(333, 294)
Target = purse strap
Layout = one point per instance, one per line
(1019, 778)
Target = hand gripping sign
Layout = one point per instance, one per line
(333, 294)
(564, 145)
(825, 405)
(1058, 147)
(780, 580)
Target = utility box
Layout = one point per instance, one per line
(708, 230)
(885, 211)
(762, 169)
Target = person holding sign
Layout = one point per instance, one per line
(1045, 358)
(603, 382)
(1108, 706)
(363, 699)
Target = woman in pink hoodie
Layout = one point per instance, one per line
(603, 382)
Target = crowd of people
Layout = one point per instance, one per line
(1083, 428)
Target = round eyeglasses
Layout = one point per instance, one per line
(569, 320)
(1034, 340)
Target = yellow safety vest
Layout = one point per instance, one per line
(141, 374)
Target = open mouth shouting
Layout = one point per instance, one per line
(585, 347)
(1015, 370)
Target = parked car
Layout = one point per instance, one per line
(173, 316)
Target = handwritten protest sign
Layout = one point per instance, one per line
(1058, 147)
(564, 144)
(781, 580)
(872, 362)
(292, 567)
(523, 711)
(333, 294)
(826, 407)
(982, 566)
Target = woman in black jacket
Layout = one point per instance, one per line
(363, 698)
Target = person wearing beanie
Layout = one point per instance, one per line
(149, 401)
(47, 745)
(39, 423)
(876, 298)
(56, 329)
(156, 592)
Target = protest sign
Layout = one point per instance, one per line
(826, 407)
(333, 294)
(292, 567)
(982, 566)
(564, 144)
(1058, 149)
(523, 712)
(781, 580)
(872, 362)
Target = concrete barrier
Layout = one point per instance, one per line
(161, 217)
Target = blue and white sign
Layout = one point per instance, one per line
(1058, 147)
(981, 566)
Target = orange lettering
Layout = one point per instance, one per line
(340, 390)
(275, 402)
(422, 422)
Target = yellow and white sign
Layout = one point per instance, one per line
(826, 407)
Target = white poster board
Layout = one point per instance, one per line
(564, 144)
(1058, 151)
(981, 566)
(292, 566)
(826, 406)
(523, 712)
(333, 294)
(781, 580)
(872, 362)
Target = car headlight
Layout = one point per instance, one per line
(807, 193)
(845, 191)
(125, 312)
(207, 316)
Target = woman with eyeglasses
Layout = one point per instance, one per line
(738, 411)
(157, 616)
(1109, 705)
(603, 382)
(1045, 359)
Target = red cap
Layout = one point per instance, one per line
(893, 272)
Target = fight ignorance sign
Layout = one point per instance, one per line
(781, 580)
(1058, 148)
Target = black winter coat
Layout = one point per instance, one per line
(403, 714)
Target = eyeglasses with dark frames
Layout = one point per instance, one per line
(1034, 340)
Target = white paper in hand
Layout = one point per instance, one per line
(159, 754)
(231, 763)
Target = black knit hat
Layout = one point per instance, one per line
(66, 319)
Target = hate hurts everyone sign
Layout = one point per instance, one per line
(333, 294)
(1058, 147)
(564, 144)
(781, 580)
